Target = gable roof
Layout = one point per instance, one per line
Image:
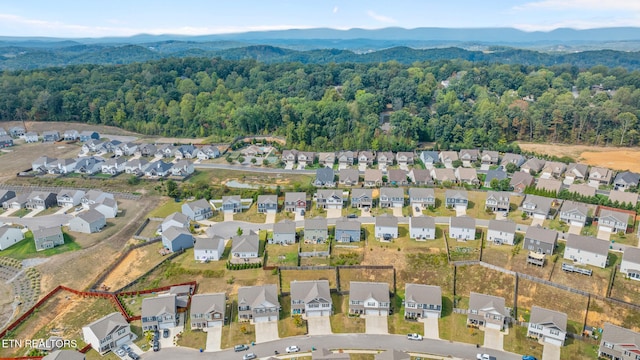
(208, 243)
(549, 185)
(245, 243)
(507, 226)
(618, 335)
(295, 196)
(456, 194)
(357, 193)
(623, 197)
(464, 222)
(198, 205)
(444, 174)
(486, 302)
(107, 324)
(164, 304)
(574, 206)
(397, 175)
(325, 175)
(258, 296)
(64, 355)
(631, 254)
(316, 223)
(545, 316)
(45, 232)
(582, 189)
(588, 243)
(363, 290)
(495, 174)
(208, 303)
(543, 235)
(90, 216)
(541, 204)
(423, 294)
(467, 173)
(285, 226)
(310, 290)
(178, 217)
(421, 193)
(392, 192)
(576, 169)
(351, 175)
(521, 177)
(422, 222)
(516, 159)
(619, 216)
(386, 220)
(346, 224)
(173, 232)
(534, 164)
(373, 175)
(268, 199)
(627, 177)
(392, 354)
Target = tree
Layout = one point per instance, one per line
(239, 231)
(172, 189)
(511, 168)
(495, 184)
(627, 120)
(133, 180)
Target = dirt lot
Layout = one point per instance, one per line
(476, 278)
(612, 157)
(531, 293)
(505, 256)
(626, 289)
(605, 311)
(303, 275)
(19, 157)
(382, 275)
(145, 258)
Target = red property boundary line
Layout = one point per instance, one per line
(99, 294)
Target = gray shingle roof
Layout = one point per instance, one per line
(64, 355)
(363, 290)
(90, 216)
(464, 222)
(46, 232)
(159, 305)
(199, 204)
(106, 325)
(258, 296)
(618, 335)
(387, 220)
(588, 243)
(423, 294)
(245, 243)
(284, 227)
(207, 303)
(309, 290)
(316, 223)
(208, 243)
(422, 222)
(618, 215)
(346, 224)
(544, 235)
(456, 194)
(267, 199)
(502, 225)
(481, 301)
(421, 193)
(631, 254)
(545, 316)
(392, 355)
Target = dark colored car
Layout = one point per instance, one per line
(133, 356)
(165, 333)
(156, 345)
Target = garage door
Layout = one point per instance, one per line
(461, 208)
(576, 223)
(492, 326)
(606, 229)
(538, 216)
(553, 341)
(166, 325)
(214, 323)
(122, 341)
(431, 315)
(372, 312)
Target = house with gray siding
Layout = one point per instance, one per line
(316, 230)
(422, 197)
(6, 195)
(574, 213)
(613, 221)
(539, 240)
(600, 176)
(87, 135)
(88, 222)
(41, 200)
(501, 232)
(422, 301)
(537, 206)
(347, 230)
(456, 199)
(295, 202)
(391, 197)
(487, 311)
(497, 201)
(231, 204)
(108, 333)
(69, 197)
(548, 326)
(48, 237)
(362, 198)
(630, 265)
(330, 199)
(160, 312)
(197, 210)
(284, 232)
(245, 246)
(429, 158)
(422, 228)
(386, 227)
(619, 343)
(208, 310)
(311, 298)
(258, 303)
(9, 236)
(177, 238)
(369, 298)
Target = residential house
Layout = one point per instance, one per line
(208, 310)
(88, 222)
(468, 156)
(600, 176)
(362, 198)
(456, 199)
(385, 158)
(325, 177)
(467, 176)
(369, 298)
(295, 202)
(64, 355)
(574, 213)
(537, 206)
(553, 169)
(126, 149)
(346, 158)
(497, 201)
(164, 150)
(613, 221)
(539, 240)
(62, 166)
(391, 197)
(366, 157)
(94, 146)
(623, 197)
(31, 137)
(327, 159)
(146, 150)
(429, 159)
(490, 157)
(108, 333)
(349, 177)
(158, 168)
(267, 204)
(618, 343)
(372, 177)
(197, 210)
(185, 152)
(16, 131)
(582, 190)
(397, 177)
(208, 152)
(311, 298)
(575, 172)
(290, 157)
(231, 204)
(284, 232)
(245, 246)
(520, 180)
(462, 228)
(48, 237)
(42, 164)
(626, 180)
(405, 158)
(386, 227)
(111, 146)
(510, 158)
(159, 312)
(422, 198)
(533, 166)
(316, 230)
(630, 265)
(587, 250)
(494, 174)
(548, 326)
(69, 198)
(3, 132)
(93, 196)
(89, 165)
(5, 141)
(420, 176)
(252, 151)
(551, 185)
(487, 311)
(422, 228)
(209, 248)
(41, 200)
(107, 207)
(9, 236)
(136, 166)
(501, 232)
(182, 168)
(422, 301)
(347, 230)
(306, 158)
(177, 238)
(17, 202)
(87, 135)
(442, 175)
(258, 303)
(6, 195)
(330, 199)
(113, 166)
(447, 158)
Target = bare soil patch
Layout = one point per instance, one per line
(288, 276)
(605, 311)
(531, 293)
(372, 275)
(476, 278)
(19, 157)
(136, 263)
(617, 158)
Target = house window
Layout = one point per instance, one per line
(474, 312)
(608, 345)
(554, 332)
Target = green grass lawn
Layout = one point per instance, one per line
(454, 328)
(518, 342)
(168, 207)
(286, 325)
(21, 213)
(397, 323)
(340, 321)
(27, 248)
(286, 255)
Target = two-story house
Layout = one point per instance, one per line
(626, 180)
(231, 204)
(618, 343)
(422, 198)
(385, 158)
(405, 158)
(422, 301)
(208, 152)
(369, 298)
(440, 175)
(316, 230)
(174, 219)
(366, 158)
(327, 159)
(547, 326)
(386, 227)
(69, 197)
(284, 232)
(497, 174)
(510, 158)
(574, 213)
(108, 333)
(325, 177)
(347, 230)
(533, 166)
(349, 177)
(176, 238)
(501, 232)
(209, 248)
(600, 176)
(540, 240)
(41, 200)
(462, 228)
(208, 310)
(306, 158)
(456, 199)
(397, 177)
(87, 135)
(88, 222)
(468, 156)
(447, 158)
(520, 180)
(146, 150)
(346, 158)
(553, 169)
(575, 172)
(48, 237)
(50, 136)
(136, 166)
(613, 221)
(330, 199)
(258, 303)
(372, 177)
(245, 246)
(197, 210)
(489, 157)
(267, 204)
(420, 176)
(70, 135)
(391, 197)
(468, 176)
(159, 312)
(537, 206)
(429, 159)
(9, 236)
(158, 168)
(487, 311)
(422, 228)
(497, 201)
(113, 166)
(311, 298)
(289, 157)
(630, 265)
(623, 197)
(362, 198)
(587, 250)
(295, 202)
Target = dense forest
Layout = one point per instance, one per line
(455, 103)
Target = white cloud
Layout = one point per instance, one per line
(578, 24)
(380, 18)
(335, 9)
(609, 5)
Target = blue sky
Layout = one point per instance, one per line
(90, 18)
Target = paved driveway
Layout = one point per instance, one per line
(575, 229)
(334, 213)
(551, 352)
(365, 213)
(33, 213)
(64, 209)
(461, 211)
(376, 324)
(298, 216)
(500, 216)
(271, 218)
(431, 330)
(266, 331)
(168, 342)
(536, 221)
(319, 325)
(493, 339)
(8, 212)
(397, 212)
(603, 235)
(416, 213)
(214, 338)
(228, 216)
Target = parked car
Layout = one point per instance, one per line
(126, 348)
(292, 349)
(156, 345)
(414, 336)
(165, 333)
(133, 356)
(485, 357)
(352, 216)
(528, 357)
(249, 356)
(120, 352)
(242, 347)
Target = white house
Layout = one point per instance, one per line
(245, 246)
(547, 326)
(88, 222)
(107, 207)
(501, 232)
(108, 333)
(69, 197)
(422, 228)
(9, 236)
(208, 249)
(630, 264)
(284, 232)
(386, 227)
(462, 228)
(587, 250)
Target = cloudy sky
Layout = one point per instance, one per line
(90, 18)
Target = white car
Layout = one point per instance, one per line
(292, 349)
(414, 336)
